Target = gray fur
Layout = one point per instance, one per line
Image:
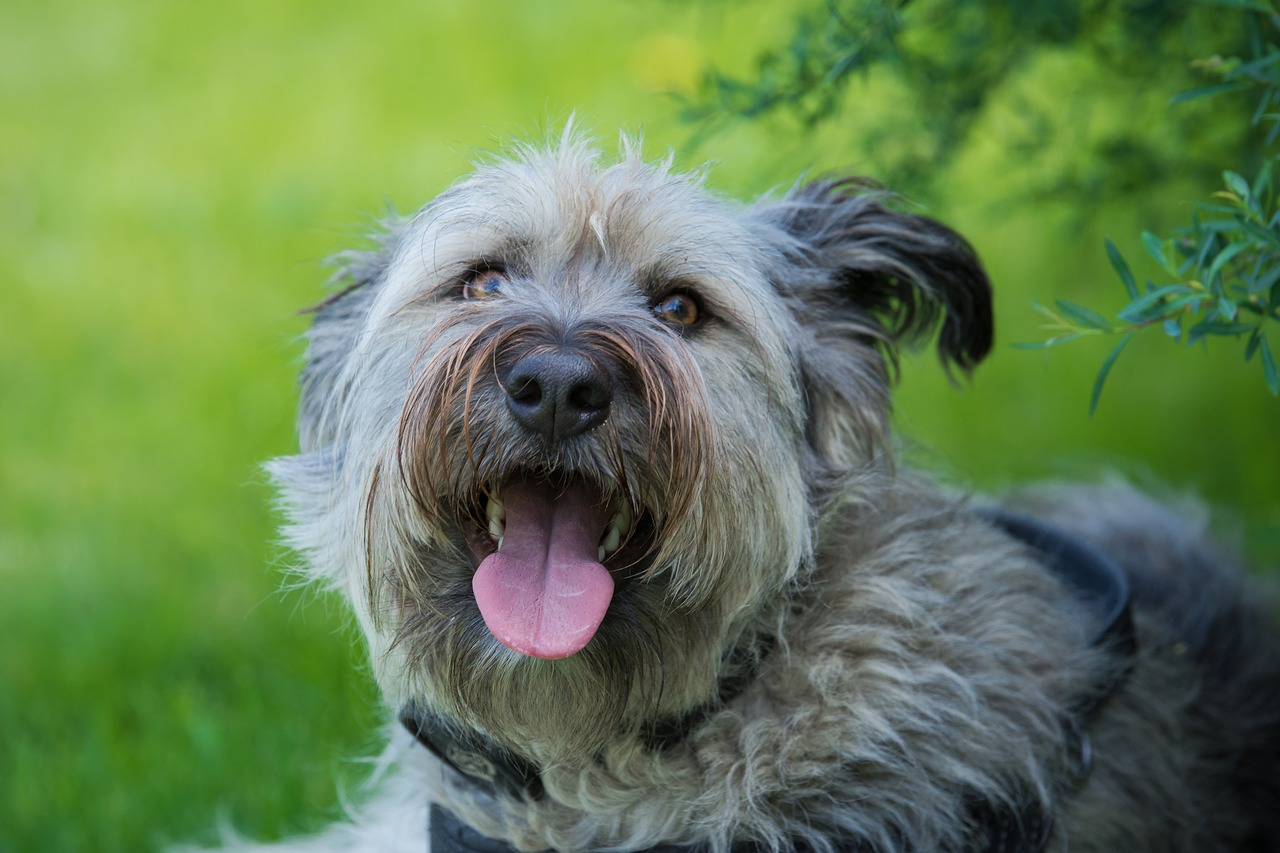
(922, 659)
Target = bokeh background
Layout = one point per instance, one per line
(172, 176)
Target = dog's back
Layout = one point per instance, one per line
(1206, 629)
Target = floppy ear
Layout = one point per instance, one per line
(334, 332)
(899, 275)
(863, 280)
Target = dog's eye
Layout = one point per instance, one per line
(484, 284)
(679, 309)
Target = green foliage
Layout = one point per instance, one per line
(1220, 274)
(948, 58)
(827, 47)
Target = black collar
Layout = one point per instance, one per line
(497, 770)
(1090, 574)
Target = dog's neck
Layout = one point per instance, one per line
(495, 769)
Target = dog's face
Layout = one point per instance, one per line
(567, 435)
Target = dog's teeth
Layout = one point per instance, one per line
(495, 511)
(497, 519)
(600, 555)
(612, 540)
(622, 520)
(619, 526)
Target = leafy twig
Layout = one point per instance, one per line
(1222, 272)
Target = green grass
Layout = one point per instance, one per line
(171, 176)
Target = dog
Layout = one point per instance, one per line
(603, 464)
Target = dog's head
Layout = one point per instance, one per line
(567, 433)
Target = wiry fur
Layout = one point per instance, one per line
(920, 661)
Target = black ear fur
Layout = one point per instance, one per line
(909, 274)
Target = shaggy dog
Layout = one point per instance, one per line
(602, 463)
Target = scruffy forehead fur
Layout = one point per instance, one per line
(602, 463)
(588, 233)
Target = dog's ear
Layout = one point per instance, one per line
(894, 276)
(333, 335)
(862, 280)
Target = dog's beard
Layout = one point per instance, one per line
(638, 669)
(568, 689)
(649, 661)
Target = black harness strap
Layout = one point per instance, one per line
(1088, 573)
(1097, 580)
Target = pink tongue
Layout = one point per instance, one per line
(544, 593)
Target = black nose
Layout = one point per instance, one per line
(558, 394)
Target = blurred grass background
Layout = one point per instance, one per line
(171, 176)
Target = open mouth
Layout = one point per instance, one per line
(550, 551)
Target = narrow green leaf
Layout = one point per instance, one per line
(1266, 235)
(1267, 281)
(1227, 308)
(1216, 208)
(1207, 91)
(1140, 309)
(1223, 226)
(1215, 269)
(1172, 328)
(1252, 347)
(1155, 248)
(1046, 344)
(1194, 301)
(1102, 373)
(1122, 270)
(1269, 369)
(1262, 183)
(1254, 67)
(1207, 248)
(1263, 103)
(1236, 184)
(1083, 316)
(1199, 330)
(1048, 313)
